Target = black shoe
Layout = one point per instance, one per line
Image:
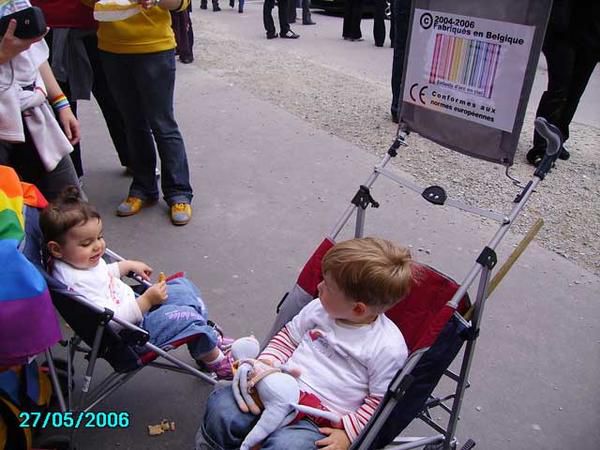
(564, 154)
(289, 34)
(240, 10)
(271, 35)
(231, 3)
(535, 156)
(216, 8)
(203, 6)
(310, 22)
(394, 117)
(186, 59)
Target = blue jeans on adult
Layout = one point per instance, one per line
(143, 86)
(225, 426)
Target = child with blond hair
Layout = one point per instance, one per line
(346, 350)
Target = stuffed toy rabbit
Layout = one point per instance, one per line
(274, 390)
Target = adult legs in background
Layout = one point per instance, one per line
(282, 12)
(306, 15)
(145, 96)
(291, 11)
(184, 34)
(401, 17)
(106, 102)
(75, 155)
(268, 22)
(101, 92)
(352, 17)
(379, 22)
(569, 70)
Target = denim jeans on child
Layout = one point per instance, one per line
(225, 426)
(182, 315)
(143, 85)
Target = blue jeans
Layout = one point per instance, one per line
(225, 426)
(142, 86)
(183, 314)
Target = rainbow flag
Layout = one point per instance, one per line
(28, 322)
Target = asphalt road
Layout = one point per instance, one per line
(260, 209)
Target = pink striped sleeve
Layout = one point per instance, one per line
(355, 422)
(280, 347)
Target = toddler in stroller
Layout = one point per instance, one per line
(169, 311)
(346, 349)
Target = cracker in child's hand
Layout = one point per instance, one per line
(162, 277)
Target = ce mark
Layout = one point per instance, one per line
(413, 90)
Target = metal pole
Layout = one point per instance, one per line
(468, 357)
(468, 280)
(54, 379)
(359, 228)
(346, 215)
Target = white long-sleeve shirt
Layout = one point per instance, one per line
(101, 285)
(348, 367)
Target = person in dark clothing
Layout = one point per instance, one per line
(379, 22)
(72, 25)
(400, 19)
(283, 13)
(352, 16)
(184, 34)
(572, 49)
(306, 15)
(215, 4)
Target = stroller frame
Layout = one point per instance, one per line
(482, 268)
(131, 334)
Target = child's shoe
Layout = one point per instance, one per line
(223, 342)
(222, 369)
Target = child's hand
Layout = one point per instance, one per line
(70, 125)
(335, 440)
(157, 293)
(140, 268)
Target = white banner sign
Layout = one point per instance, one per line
(467, 67)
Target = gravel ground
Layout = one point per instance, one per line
(357, 110)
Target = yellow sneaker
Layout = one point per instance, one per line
(132, 205)
(181, 213)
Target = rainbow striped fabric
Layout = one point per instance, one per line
(28, 322)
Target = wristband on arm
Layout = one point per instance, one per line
(59, 102)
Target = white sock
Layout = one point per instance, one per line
(217, 360)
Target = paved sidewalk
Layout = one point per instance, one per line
(268, 187)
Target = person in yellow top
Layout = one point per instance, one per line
(138, 56)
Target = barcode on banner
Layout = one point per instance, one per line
(466, 62)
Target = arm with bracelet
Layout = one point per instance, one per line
(60, 104)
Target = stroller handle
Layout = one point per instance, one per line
(551, 134)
